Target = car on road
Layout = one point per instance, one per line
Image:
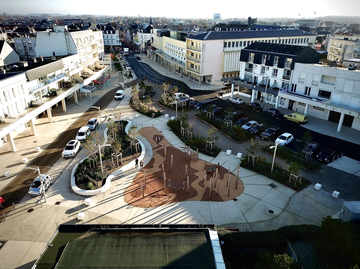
(284, 139)
(83, 133)
(119, 95)
(242, 121)
(272, 111)
(71, 149)
(249, 125)
(311, 150)
(270, 133)
(36, 189)
(257, 129)
(296, 117)
(236, 100)
(255, 106)
(93, 124)
(326, 155)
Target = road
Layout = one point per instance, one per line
(18, 187)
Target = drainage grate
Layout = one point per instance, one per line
(57, 203)
(30, 210)
(272, 185)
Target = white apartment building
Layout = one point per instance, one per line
(61, 42)
(344, 50)
(328, 93)
(213, 57)
(143, 38)
(7, 55)
(111, 38)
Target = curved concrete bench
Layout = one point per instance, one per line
(107, 184)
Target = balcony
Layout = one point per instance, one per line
(197, 71)
(194, 48)
(198, 60)
(249, 69)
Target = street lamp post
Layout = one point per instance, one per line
(97, 107)
(41, 181)
(273, 160)
(101, 146)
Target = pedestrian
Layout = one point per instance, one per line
(2, 201)
(136, 163)
(141, 164)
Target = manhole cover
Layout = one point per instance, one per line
(57, 203)
(270, 211)
(30, 210)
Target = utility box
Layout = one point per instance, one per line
(350, 211)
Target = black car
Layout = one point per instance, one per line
(272, 111)
(242, 121)
(257, 129)
(255, 106)
(236, 115)
(326, 155)
(311, 150)
(270, 133)
(218, 110)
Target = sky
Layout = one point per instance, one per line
(187, 8)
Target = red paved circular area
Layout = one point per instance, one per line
(153, 187)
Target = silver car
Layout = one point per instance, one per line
(35, 187)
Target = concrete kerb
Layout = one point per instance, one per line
(107, 184)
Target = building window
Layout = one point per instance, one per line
(262, 70)
(293, 87)
(275, 72)
(318, 108)
(233, 44)
(251, 57)
(316, 80)
(302, 77)
(240, 43)
(288, 63)
(328, 80)
(301, 104)
(263, 59)
(276, 61)
(237, 44)
(324, 94)
(307, 91)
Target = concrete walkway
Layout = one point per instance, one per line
(30, 225)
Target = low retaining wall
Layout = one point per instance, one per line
(107, 184)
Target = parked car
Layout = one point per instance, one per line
(255, 106)
(36, 189)
(208, 107)
(83, 133)
(202, 104)
(312, 149)
(242, 121)
(93, 124)
(284, 139)
(236, 100)
(119, 95)
(192, 103)
(257, 129)
(326, 155)
(297, 117)
(71, 149)
(235, 116)
(270, 133)
(272, 111)
(218, 110)
(249, 124)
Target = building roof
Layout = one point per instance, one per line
(127, 246)
(276, 48)
(250, 34)
(44, 70)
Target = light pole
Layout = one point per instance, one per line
(41, 181)
(101, 146)
(273, 161)
(97, 107)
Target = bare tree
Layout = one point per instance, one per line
(133, 135)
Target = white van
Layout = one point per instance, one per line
(119, 95)
(83, 133)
